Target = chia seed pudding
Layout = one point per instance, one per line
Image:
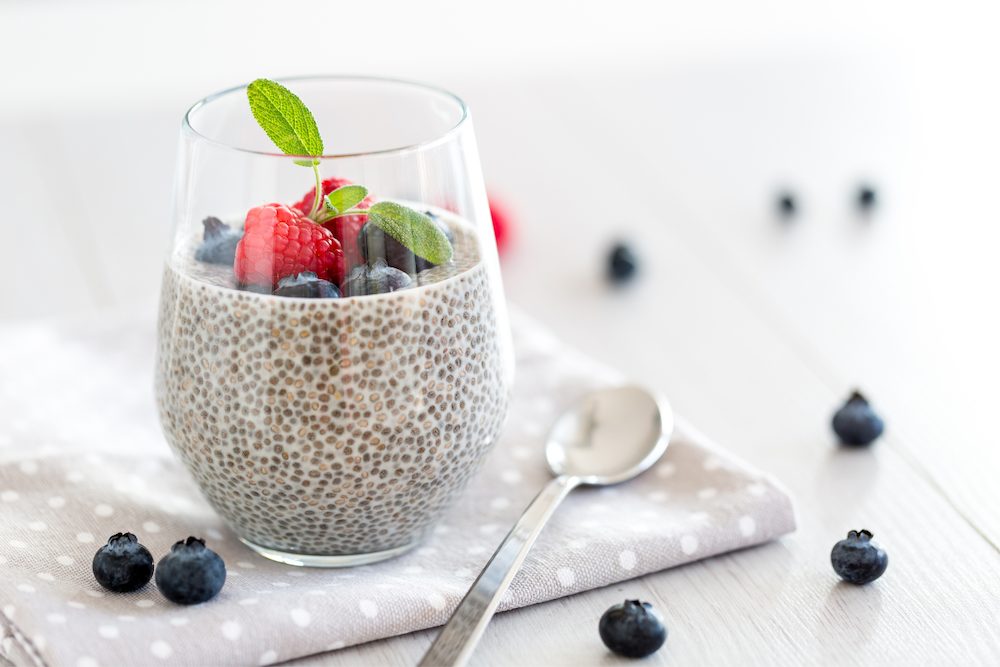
(332, 427)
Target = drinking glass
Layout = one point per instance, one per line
(333, 431)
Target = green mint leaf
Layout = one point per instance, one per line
(345, 197)
(285, 119)
(413, 229)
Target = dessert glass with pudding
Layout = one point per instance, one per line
(333, 430)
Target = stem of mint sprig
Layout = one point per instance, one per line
(342, 202)
(292, 128)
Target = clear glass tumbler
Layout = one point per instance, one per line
(332, 431)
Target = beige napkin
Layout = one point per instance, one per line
(81, 458)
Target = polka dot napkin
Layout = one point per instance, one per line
(81, 458)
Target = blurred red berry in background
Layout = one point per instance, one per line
(502, 222)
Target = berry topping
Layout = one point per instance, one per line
(307, 286)
(856, 423)
(219, 242)
(377, 278)
(375, 244)
(345, 228)
(857, 559)
(191, 573)
(633, 629)
(622, 263)
(279, 241)
(276, 245)
(123, 565)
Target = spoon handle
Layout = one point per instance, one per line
(461, 634)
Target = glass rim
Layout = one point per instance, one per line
(396, 150)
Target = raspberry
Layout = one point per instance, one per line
(344, 228)
(279, 242)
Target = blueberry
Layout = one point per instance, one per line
(622, 263)
(787, 206)
(857, 559)
(218, 244)
(191, 573)
(375, 244)
(867, 198)
(633, 629)
(377, 278)
(123, 565)
(856, 423)
(307, 285)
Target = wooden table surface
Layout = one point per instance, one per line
(756, 330)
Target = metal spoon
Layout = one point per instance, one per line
(611, 436)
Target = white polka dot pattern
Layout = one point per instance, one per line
(511, 476)
(161, 649)
(708, 493)
(368, 608)
(56, 510)
(566, 577)
(232, 630)
(500, 503)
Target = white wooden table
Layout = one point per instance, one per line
(755, 330)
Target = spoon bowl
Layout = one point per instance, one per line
(610, 436)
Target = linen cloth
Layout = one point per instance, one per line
(81, 458)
